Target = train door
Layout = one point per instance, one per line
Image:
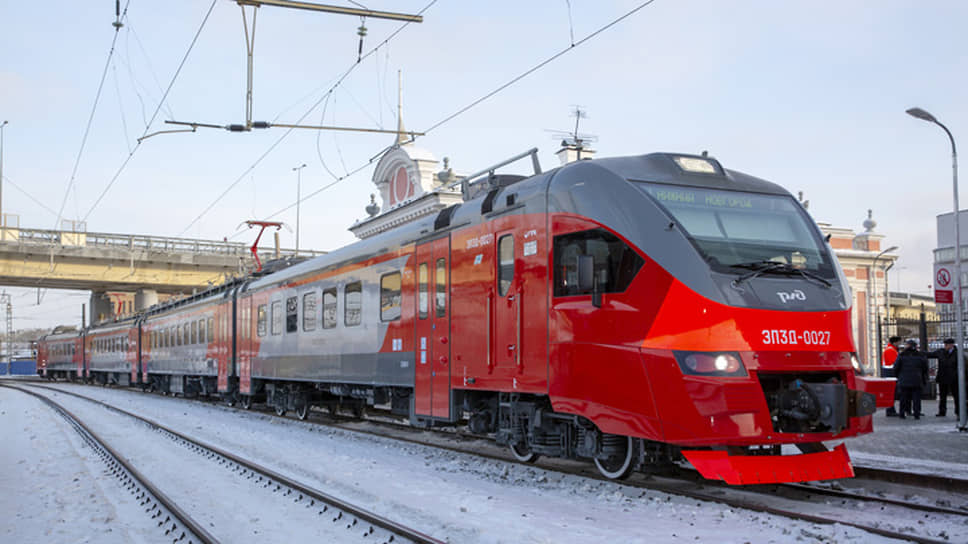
(134, 351)
(506, 308)
(221, 342)
(244, 350)
(432, 381)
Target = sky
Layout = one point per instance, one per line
(810, 95)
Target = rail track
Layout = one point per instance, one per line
(367, 525)
(171, 518)
(816, 503)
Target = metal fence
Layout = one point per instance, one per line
(929, 334)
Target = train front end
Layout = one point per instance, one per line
(746, 333)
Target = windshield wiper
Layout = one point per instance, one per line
(758, 268)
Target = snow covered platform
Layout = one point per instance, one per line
(931, 445)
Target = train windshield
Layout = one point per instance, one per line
(737, 232)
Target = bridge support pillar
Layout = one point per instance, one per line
(144, 298)
(102, 308)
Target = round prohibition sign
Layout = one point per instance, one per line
(943, 277)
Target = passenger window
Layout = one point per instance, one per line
(211, 329)
(186, 334)
(390, 297)
(292, 314)
(261, 327)
(194, 332)
(276, 317)
(353, 304)
(423, 297)
(309, 312)
(505, 268)
(615, 263)
(441, 280)
(329, 308)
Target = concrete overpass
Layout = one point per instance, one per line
(124, 272)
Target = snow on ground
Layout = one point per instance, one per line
(453, 497)
(53, 487)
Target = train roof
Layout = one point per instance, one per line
(687, 170)
(667, 168)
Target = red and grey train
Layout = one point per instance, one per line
(634, 311)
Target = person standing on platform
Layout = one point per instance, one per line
(887, 360)
(947, 377)
(911, 368)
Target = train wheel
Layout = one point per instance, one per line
(302, 408)
(523, 453)
(280, 410)
(617, 466)
(245, 401)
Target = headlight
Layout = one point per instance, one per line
(697, 363)
(854, 362)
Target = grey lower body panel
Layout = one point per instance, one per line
(195, 367)
(110, 367)
(391, 369)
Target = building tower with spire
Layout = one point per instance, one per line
(405, 178)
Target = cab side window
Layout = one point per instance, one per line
(615, 263)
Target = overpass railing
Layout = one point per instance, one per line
(135, 242)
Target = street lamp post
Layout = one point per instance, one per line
(3, 124)
(298, 171)
(877, 307)
(959, 326)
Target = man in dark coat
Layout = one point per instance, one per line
(911, 369)
(947, 377)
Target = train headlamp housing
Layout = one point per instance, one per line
(697, 165)
(719, 364)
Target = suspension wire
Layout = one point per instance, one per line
(571, 25)
(154, 115)
(151, 68)
(465, 108)
(319, 135)
(124, 120)
(6, 179)
(538, 66)
(303, 116)
(135, 84)
(90, 119)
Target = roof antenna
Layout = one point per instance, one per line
(705, 153)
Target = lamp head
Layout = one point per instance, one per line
(921, 114)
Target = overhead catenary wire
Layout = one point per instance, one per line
(161, 102)
(538, 66)
(303, 116)
(90, 119)
(472, 104)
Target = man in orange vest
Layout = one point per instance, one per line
(887, 369)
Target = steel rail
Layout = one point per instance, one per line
(161, 498)
(943, 483)
(361, 513)
(675, 486)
